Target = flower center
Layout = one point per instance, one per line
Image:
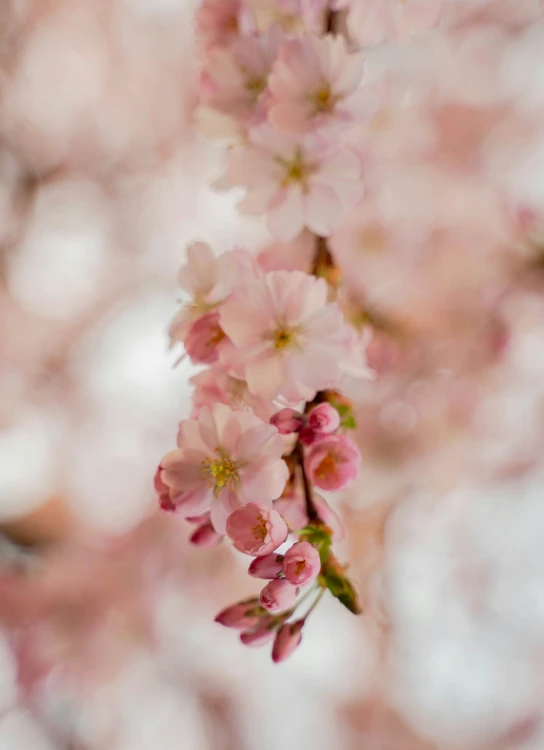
(216, 336)
(323, 100)
(256, 86)
(296, 171)
(283, 338)
(259, 530)
(327, 466)
(299, 567)
(222, 471)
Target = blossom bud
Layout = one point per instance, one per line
(259, 635)
(287, 421)
(287, 639)
(324, 419)
(205, 536)
(301, 564)
(256, 529)
(332, 463)
(278, 595)
(203, 339)
(267, 566)
(246, 614)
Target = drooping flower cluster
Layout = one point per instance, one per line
(269, 423)
(384, 218)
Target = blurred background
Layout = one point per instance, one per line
(108, 640)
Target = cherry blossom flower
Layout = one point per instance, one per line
(224, 460)
(329, 517)
(301, 564)
(207, 280)
(234, 80)
(287, 421)
(313, 84)
(311, 182)
(287, 639)
(278, 595)
(267, 566)
(220, 21)
(240, 616)
(204, 339)
(289, 341)
(322, 420)
(333, 462)
(205, 536)
(256, 529)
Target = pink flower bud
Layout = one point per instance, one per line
(205, 536)
(256, 529)
(329, 518)
(301, 563)
(324, 419)
(287, 639)
(246, 614)
(203, 339)
(287, 421)
(263, 633)
(332, 463)
(278, 595)
(267, 566)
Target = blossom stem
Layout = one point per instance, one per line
(315, 603)
(311, 510)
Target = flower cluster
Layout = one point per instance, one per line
(284, 83)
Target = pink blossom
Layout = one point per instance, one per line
(372, 21)
(313, 83)
(288, 340)
(301, 563)
(287, 421)
(261, 634)
(240, 616)
(225, 459)
(333, 463)
(216, 385)
(329, 518)
(312, 182)
(268, 566)
(205, 536)
(278, 595)
(256, 529)
(207, 280)
(287, 639)
(220, 21)
(204, 339)
(234, 81)
(322, 420)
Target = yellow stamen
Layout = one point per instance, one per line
(296, 171)
(222, 471)
(323, 100)
(283, 338)
(259, 530)
(326, 467)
